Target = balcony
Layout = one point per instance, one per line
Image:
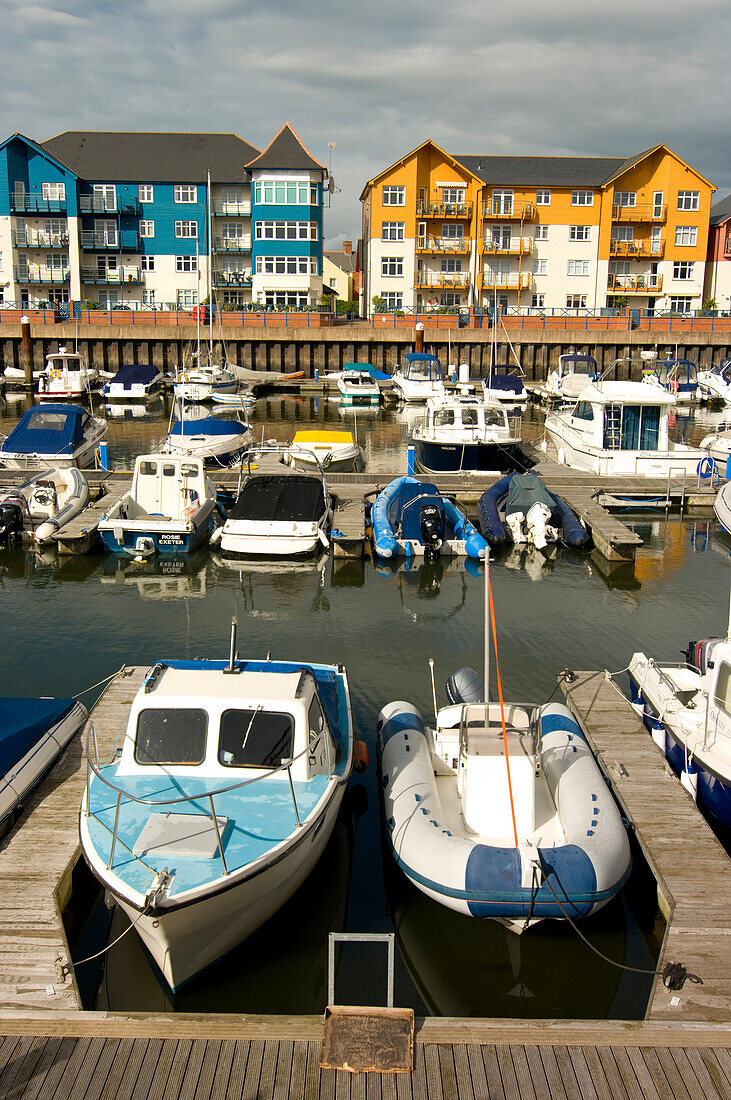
(513, 211)
(443, 209)
(35, 238)
(642, 212)
(637, 250)
(635, 284)
(441, 280)
(35, 273)
(232, 244)
(451, 245)
(516, 246)
(91, 239)
(232, 278)
(98, 204)
(34, 204)
(506, 280)
(129, 276)
(221, 208)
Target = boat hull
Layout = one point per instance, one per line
(571, 451)
(120, 538)
(448, 458)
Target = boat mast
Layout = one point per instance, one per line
(210, 276)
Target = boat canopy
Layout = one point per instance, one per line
(48, 430)
(23, 722)
(420, 366)
(507, 383)
(368, 368)
(130, 374)
(525, 490)
(578, 364)
(280, 497)
(679, 370)
(208, 425)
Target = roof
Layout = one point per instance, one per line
(345, 261)
(285, 151)
(543, 171)
(154, 157)
(721, 211)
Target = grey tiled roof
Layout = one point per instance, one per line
(543, 171)
(721, 211)
(344, 260)
(285, 151)
(150, 157)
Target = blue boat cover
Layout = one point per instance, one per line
(23, 722)
(208, 425)
(135, 374)
(368, 368)
(48, 430)
(508, 383)
(413, 357)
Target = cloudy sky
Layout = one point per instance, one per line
(378, 77)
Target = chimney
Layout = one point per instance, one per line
(348, 248)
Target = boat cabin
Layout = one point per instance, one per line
(214, 721)
(622, 416)
(677, 376)
(417, 366)
(466, 416)
(165, 485)
(49, 430)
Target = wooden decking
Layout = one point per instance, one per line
(692, 870)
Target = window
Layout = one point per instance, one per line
(185, 192)
(392, 299)
(623, 233)
(392, 231)
(540, 267)
(449, 263)
(576, 301)
(578, 267)
(583, 411)
(582, 198)
(55, 192)
(450, 298)
(166, 736)
(286, 265)
(286, 231)
(148, 297)
(105, 196)
(393, 195)
(452, 231)
(538, 301)
(392, 265)
(579, 232)
(280, 300)
(147, 229)
(145, 192)
(268, 192)
(147, 263)
(541, 233)
(186, 229)
(453, 195)
(255, 739)
(631, 427)
(688, 200)
(682, 269)
(625, 198)
(502, 202)
(681, 305)
(187, 298)
(686, 234)
(233, 231)
(55, 227)
(722, 692)
(186, 263)
(543, 197)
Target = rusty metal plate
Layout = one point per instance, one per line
(376, 1040)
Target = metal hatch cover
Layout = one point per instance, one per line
(368, 1040)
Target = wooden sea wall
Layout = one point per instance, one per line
(323, 350)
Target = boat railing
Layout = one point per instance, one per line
(477, 717)
(250, 460)
(93, 766)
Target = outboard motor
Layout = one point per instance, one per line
(431, 528)
(465, 686)
(12, 511)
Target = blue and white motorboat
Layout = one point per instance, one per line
(221, 801)
(53, 435)
(715, 382)
(357, 386)
(43, 505)
(419, 377)
(461, 433)
(504, 385)
(411, 518)
(572, 374)
(170, 508)
(676, 376)
(33, 734)
(218, 442)
(687, 709)
(520, 507)
(133, 382)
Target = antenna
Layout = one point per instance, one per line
(330, 181)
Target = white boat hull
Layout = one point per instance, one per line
(262, 538)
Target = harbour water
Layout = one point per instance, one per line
(70, 622)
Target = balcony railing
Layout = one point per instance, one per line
(221, 208)
(515, 211)
(446, 280)
(232, 244)
(131, 276)
(98, 204)
(506, 280)
(34, 238)
(37, 274)
(34, 204)
(638, 250)
(443, 209)
(232, 278)
(635, 284)
(462, 245)
(641, 212)
(101, 239)
(515, 246)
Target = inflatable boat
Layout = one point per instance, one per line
(521, 508)
(411, 518)
(43, 504)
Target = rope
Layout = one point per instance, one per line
(66, 969)
(502, 706)
(104, 681)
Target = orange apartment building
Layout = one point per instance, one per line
(468, 231)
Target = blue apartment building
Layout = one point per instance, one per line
(159, 220)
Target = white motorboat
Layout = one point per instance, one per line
(717, 447)
(572, 374)
(133, 382)
(419, 377)
(242, 399)
(277, 512)
(200, 383)
(327, 450)
(621, 428)
(460, 433)
(218, 442)
(722, 507)
(67, 377)
(44, 504)
(220, 802)
(168, 510)
(53, 435)
(715, 382)
(15, 376)
(358, 387)
(676, 376)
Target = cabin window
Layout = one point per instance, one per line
(168, 469)
(255, 739)
(493, 418)
(148, 468)
(469, 417)
(722, 694)
(189, 469)
(444, 418)
(632, 427)
(583, 411)
(48, 421)
(176, 736)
